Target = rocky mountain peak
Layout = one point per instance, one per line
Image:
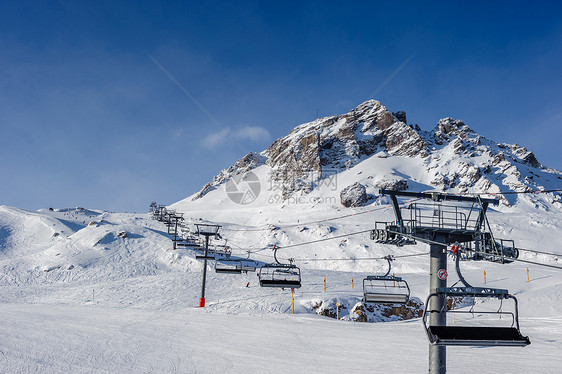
(447, 127)
(339, 142)
(454, 155)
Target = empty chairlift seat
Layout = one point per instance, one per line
(481, 327)
(385, 289)
(248, 266)
(280, 276)
(228, 266)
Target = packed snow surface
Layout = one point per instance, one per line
(77, 295)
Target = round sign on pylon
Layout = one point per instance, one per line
(442, 274)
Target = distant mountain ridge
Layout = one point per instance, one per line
(455, 157)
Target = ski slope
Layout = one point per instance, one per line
(76, 296)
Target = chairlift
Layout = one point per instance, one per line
(474, 331)
(172, 229)
(203, 257)
(385, 289)
(223, 250)
(206, 255)
(473, 334)
(280, 275)
(247, 264)
(228, 266)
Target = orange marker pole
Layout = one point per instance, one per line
(484, 276)
(324, 284)
(528, 280)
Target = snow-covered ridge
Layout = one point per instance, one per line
(454, 157)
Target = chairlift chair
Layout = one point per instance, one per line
(203, 257)
(172, 229)
(208, 255)
(208, 229)
(385, 289)
(476, 333)
(227, 266)
(248, 266)
(473, 334)
(279, 275)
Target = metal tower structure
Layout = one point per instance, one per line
(441, 225)
(207, 230)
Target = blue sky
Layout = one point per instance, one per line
(87, 118)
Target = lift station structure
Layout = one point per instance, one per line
(462, 221)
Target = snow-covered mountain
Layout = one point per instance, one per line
(83, 290)
(451, 157)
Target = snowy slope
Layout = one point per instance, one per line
(128, 305)
(91, 291)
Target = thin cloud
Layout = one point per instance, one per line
(253, 133)
(220, 138)
(215, 139)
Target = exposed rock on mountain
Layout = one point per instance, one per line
(354, 195)
(362, 312)
(453, 155)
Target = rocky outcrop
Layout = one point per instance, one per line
(330, 308)
(392, 184)
(354, 196)
(369, 312)
(338, 142)
(400, 116)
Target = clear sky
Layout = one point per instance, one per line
(88, 118)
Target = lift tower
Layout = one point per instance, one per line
(207, 230)
(440, 226)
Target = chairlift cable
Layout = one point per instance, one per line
(537, 263)
(255, 250)
(313, 222)
(541, 252)
(324, 220)
(324, 239)
(359, 258)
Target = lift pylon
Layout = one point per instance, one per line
(440, 225)
(206, 230)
